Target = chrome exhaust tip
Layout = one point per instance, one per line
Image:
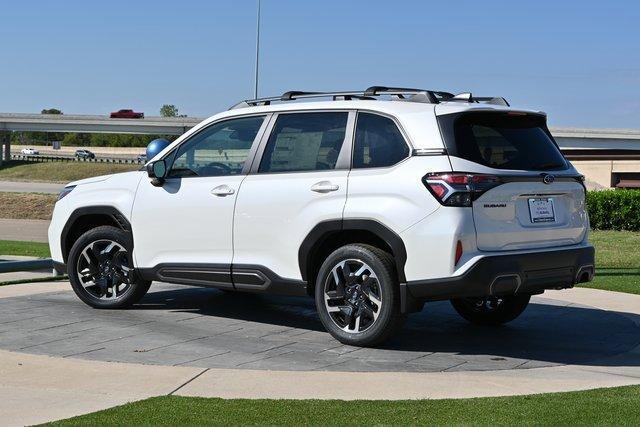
(585, 274)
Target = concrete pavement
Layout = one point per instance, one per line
(30, 187)
(37, 388)
(32, 230)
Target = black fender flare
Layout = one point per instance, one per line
(107, 210)
(321, 231)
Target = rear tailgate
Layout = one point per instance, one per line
(537, 199)
(528, 215)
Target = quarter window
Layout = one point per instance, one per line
(220, 149)
(378, 143)
(304, 142)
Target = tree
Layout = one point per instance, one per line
(169, 110)
(50, 111)
(71, 140)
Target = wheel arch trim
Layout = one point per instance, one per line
(118, 217)
(323, 230)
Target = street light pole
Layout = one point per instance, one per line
(255, 91)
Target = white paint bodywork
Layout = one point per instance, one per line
(510, 227)
(275, 212)
(268, 216)
(117, 191)
(183, 222)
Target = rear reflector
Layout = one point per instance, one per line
(459, 189)
(458, 252)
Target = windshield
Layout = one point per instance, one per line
(502, 140)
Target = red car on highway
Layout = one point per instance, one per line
(126, 114)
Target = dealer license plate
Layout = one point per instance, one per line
(541, 210)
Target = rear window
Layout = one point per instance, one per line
(502, 140)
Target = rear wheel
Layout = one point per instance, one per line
(100, 269)
(357, 295)
(491, 310)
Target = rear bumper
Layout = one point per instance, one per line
(527, 273)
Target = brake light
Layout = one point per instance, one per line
(459, 189)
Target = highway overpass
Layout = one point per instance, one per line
(95, 124)
(605, 156)
(13, 122)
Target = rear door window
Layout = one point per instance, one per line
(502, 140)
(304, 142)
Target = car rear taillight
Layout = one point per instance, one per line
(459, 189)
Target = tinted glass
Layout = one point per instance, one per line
(220, 149)
(304, 141)
(378, 142)
(503, 141)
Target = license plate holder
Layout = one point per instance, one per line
(541, 210)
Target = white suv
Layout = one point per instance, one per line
(373, 202)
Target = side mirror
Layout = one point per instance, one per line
(157, 171)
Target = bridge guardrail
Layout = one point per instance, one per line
(46, 158)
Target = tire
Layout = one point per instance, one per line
(107, 269)
(378, 281)
(491, 311)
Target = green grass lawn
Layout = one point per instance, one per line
(613, 406)
(616, 249)
(62, 172)
(617, 261)
(37, 249)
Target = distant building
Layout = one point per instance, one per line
(608, 158)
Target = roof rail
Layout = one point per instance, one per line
(415, 95)
(295, 94)
(432, 96)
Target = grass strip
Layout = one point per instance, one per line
(612, 406)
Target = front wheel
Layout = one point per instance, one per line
(491, 310)
(357, 295)
(100, 269)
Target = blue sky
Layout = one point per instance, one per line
(577, 60)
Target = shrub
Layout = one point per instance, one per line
(614, 209)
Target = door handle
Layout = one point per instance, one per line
(222, 191)
(324, 187)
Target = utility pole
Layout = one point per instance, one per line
(255, 91)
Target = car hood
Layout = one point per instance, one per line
(90, 180)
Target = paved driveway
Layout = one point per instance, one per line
(206, 328)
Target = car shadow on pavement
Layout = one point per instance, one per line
(549, 331)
